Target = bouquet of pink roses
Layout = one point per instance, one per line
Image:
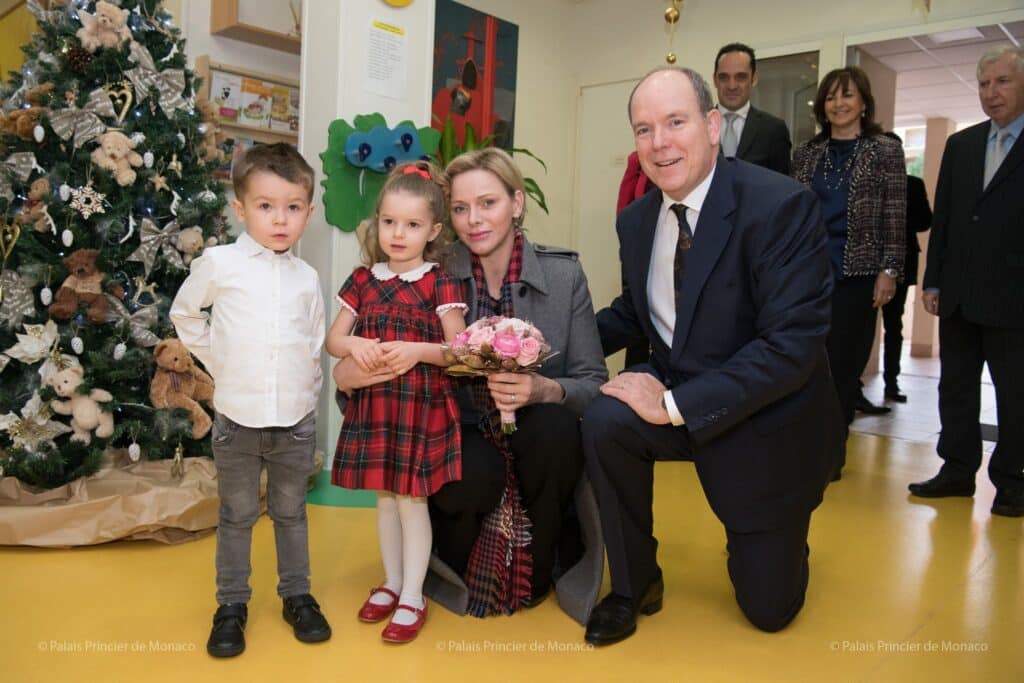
(497, 344)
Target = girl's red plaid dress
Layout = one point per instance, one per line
(401, 436)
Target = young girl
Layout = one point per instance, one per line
(401, 438)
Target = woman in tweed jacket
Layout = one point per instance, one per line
(860, 177)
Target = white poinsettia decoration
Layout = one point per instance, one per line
(35, 344)
(34, 427)
(56, 362)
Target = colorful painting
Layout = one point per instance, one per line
(474, 73)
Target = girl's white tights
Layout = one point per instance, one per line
(403, 524)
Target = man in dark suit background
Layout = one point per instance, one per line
(738, 380)
(973, 282)
(748, 133)
(919, 219)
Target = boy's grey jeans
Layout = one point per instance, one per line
(239, 453)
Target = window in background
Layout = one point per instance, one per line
(786, 87)
(913, 148)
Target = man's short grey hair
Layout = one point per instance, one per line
(700, 86)
(994, 54)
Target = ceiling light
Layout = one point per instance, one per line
(957, 35)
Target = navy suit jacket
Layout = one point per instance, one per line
(976, 250)
(747, 364)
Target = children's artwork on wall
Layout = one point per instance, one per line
(358, 159)
(474, 73)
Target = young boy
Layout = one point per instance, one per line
(261, 344)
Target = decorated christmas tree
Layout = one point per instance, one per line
(106, 194)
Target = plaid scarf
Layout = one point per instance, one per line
(500, 565)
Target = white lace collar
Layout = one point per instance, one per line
(383, 273)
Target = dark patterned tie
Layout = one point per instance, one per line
(682, 247)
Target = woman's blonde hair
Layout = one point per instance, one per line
(420, 179)
(498, 162)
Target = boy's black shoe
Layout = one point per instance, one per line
(227, 638)
(308, 622)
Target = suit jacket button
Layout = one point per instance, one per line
(522, 291)
(975, 219)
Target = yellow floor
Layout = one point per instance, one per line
(899, 591)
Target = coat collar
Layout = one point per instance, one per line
(750, 126)
(460, 266)
(1013, 159)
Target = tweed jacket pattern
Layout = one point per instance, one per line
(877, 206)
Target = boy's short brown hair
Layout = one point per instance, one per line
(281, 159)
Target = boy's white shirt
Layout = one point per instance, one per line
(262, 340)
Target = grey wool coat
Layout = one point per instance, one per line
(552, 294)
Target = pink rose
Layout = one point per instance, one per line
(506, 344)
(481, 336)
(529, 351)
(461, 339)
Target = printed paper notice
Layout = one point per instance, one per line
(387, 60)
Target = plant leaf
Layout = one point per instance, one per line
(520, 150)
(534, 192)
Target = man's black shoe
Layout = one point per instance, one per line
(306, 619)
(893, 393)
(1008, 503)
(227, 638)
(614, 618)
(868, 408)
(943, 485)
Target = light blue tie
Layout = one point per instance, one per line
(729, 141)
(995, 158)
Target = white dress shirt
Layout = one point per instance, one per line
(661, 292)
(261, 341)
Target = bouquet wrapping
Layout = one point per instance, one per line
(497, 344)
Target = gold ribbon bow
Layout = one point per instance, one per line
(84, 124)
(139, 322)
(154, 240)
(169, 83)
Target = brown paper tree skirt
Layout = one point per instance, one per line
(123, 501)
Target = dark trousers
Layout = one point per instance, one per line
(768, 568)
(548, 464)
(892, 321)
(963, 348)
(850, 337)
